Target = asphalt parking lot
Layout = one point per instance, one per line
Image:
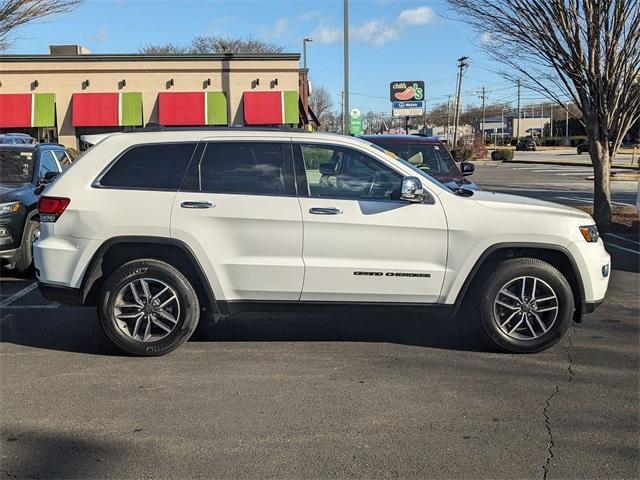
(319, 396)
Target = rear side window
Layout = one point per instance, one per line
(158, 167)
(256, 168)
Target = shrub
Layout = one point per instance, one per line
(502, 155)
(462, 154)
(479, 148)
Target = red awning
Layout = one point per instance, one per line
(262, 108)
(181, 108)
(15, 110)
(95, 110)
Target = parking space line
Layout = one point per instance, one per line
(590, 200)
(614, 245)
(31, 307)
(19, 294)
(622, 238)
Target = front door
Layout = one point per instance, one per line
(238, 211)
(361, 242)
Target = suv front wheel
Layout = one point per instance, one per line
(527, 305)
(148, 308)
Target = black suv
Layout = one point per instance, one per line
(526, 144)
(23, 168)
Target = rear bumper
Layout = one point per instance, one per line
(66, 295)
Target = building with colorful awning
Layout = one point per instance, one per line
(70, 93)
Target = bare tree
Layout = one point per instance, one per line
(15, 13)
(585, 50)
(320, 102)
(209, 45)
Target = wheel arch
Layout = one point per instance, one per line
(119, 250)
(556, 255)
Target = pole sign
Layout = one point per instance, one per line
(408, 91)
(355, 122)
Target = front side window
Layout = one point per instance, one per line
(337, 172)
(159, 166)
(47, 163)
(254, 168)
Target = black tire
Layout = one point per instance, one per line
(189, 307)
(24, 263)
(547, 276)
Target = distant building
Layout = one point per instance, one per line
(69, 93)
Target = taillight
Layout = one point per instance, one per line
(50, 208)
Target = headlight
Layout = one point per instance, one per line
(590, 233)
(9, 208)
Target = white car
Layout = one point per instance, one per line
(155, 227)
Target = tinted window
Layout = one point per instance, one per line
(338, 172)
(47, 163)
(160, 167)
(263, 168)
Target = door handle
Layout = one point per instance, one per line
(325, 211)
(197, 205)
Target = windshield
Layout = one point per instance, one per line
(420, 172)
(433, 159)
(16, 166)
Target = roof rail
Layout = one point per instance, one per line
(159, 128)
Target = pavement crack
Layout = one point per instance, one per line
(547, 405)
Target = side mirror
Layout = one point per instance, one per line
(411, 190)
(45, 180)
(467, 168)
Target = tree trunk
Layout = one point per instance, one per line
(601, 160)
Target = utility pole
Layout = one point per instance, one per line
(566, 126)
(551, 134)
(518, 129)
(462, 64)
(342, 111)
(448, 113)
(502, 126)
(345, 112)
(484, 96)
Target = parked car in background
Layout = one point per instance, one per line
(428, 154)
(16, 138)
(526, 145)
(584, 147)
(22, 169)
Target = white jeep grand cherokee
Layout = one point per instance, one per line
(155, 227)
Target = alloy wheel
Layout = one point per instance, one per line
(146, 309)
(525, 308)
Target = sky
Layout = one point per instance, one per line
(390, 40)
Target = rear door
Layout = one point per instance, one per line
(239, 213)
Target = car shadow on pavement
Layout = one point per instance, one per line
(65, 329)
(46, 454)
(77, 330)
(460, 333)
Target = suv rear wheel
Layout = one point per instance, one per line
(148, 308)
(527, 305)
